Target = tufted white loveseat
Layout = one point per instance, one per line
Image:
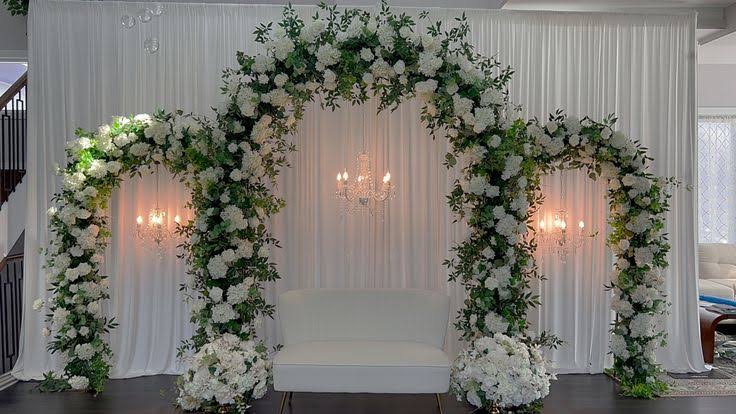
(362, 340)
(717, 265)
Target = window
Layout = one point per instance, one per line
(717, 179)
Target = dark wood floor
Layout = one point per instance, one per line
(571, 394)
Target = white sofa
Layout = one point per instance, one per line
(362, 340)
(717, 265)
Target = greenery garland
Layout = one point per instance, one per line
(231, 163)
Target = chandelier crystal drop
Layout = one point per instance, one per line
(360, 193)
(157, 232)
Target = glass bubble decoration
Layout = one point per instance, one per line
(150, 45)
(157, 9)
(145, 15)
(127, 21)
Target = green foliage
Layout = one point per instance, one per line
(17, 7)
(51, 383)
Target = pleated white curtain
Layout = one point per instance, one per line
(84, 67)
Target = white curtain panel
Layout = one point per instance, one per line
(84, 67)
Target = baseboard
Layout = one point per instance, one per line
(6, 380)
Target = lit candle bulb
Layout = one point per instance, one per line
(345, 175)
(139, 220)
(339, 177)
(581, 224)
(563, 224)
(177, 219)
(542, 225)
(387, 177)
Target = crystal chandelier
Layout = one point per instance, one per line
(553, 235)
(156, 233)
(360, 194)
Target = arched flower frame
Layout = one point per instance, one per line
(230, 163)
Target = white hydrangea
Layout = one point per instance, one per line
(512, 166)
(239, 293)
(281, 47)
(85, 352)
(495, 323)
(217, 267)
(263, 63)
(619, 347)
(484, 117)
(643, 256)
(223, 371)
(386, 34)
(429, 63)
(311, 31)
(366, 54)
(330, 82)
(223, 313)
(503, 370)
(491, 96)
(140, 149)
(328, 54)
(78, 382)
(215, 294)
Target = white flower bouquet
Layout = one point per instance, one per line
(227, 371)
(500, 373)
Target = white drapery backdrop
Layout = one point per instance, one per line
(84, 67)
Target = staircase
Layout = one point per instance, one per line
(13, 130)
(11, 295)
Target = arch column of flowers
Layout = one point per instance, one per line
(230, 163)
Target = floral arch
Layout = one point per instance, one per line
(229, 164)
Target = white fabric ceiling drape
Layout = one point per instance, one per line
(84, 67)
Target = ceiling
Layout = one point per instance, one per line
(612, 4)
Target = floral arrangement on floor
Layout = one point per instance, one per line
(231, 162)
(225, 372)
(501, 372)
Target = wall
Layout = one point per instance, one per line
(717, 85)
(12, 218)
(13, 38)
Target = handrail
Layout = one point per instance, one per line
(13, 134)
(14, 89)
(15, 252)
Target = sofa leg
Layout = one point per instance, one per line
(286, 396)
(439, 403)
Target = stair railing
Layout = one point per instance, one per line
(13, 132)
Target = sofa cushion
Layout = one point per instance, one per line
(717, 288)
(717, 261)
(729, 283)
(361, 366)
(364, 315)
